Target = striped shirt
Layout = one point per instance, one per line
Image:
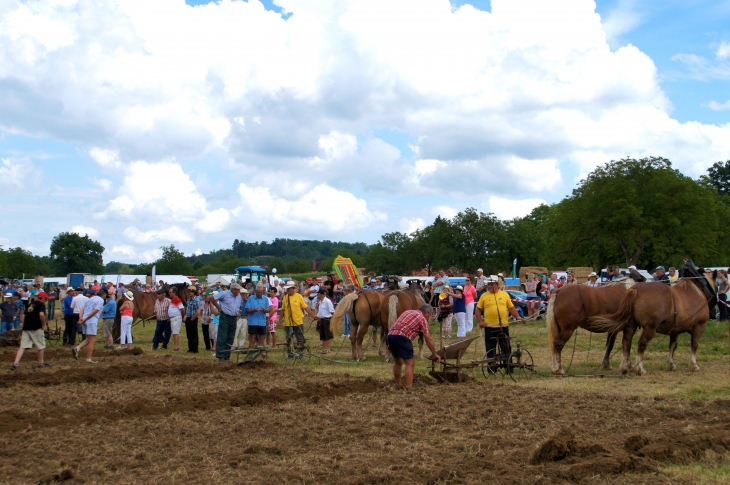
(161, 308)
(410, 324)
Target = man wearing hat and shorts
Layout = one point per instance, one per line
(34, 326)
(9, 309)
(409, 325)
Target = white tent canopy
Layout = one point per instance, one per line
(125, 278)
(172, 279)
(223, 279)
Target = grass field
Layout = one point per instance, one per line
(172, 417)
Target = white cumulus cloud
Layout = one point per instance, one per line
(172, 234)
(85, 230)
(323, 210)
(511, 208)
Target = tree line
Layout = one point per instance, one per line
(628, 211)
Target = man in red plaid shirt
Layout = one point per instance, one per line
(409, 325)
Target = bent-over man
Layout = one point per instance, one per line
(409, 325)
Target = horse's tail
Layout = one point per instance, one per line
(343, 307)
(617, 321)
(392, 309)
(552, 324)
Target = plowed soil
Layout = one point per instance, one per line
(142, 418)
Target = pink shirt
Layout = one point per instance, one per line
(470, 295)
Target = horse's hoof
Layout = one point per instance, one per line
(671, 367)
(606, 366)
(639, 371)
(694, 368)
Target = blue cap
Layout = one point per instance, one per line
(660, 268)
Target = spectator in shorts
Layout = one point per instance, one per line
(176, 312)
(271, 334)
(324, 315)
(107, 317)
(409, 325)
(34, 326)
(458, 300)
(89, 317)
(258, 308)
(533, 304)
(126, 311)
(445, 305)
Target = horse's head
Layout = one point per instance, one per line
(705, 281)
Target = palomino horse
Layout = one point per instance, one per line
(572, 306)
(364, 310)
(656, 307)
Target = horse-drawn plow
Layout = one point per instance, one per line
(500, 361)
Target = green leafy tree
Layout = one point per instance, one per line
(277, 263)
(72, 253)
(297, 266)
(527, 238)
(479, 240)
(173, 262)
(17, 262)
(642, 212)
(112, 267)
(719, 176)
(431, 247)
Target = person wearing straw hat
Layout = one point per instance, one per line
(493, 311)
(34, 326)
(593, 280)
(126, 310)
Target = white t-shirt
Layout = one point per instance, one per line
(175, 310)
(93, 303)
(326, 308)
(78, 303)
(313, 292)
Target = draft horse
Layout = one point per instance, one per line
(572, 307)
(656, 307)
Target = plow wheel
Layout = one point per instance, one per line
(521, 363)
(296, 354)
(493, 367)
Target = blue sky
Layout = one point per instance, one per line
(340, 120)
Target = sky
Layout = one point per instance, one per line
(195, 123)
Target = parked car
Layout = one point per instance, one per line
(522, 305)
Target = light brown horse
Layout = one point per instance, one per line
(572, 306)
(364, 310)
(144, 309)
(655, 307)
(394, 304)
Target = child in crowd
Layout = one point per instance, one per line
(446, 303)
(271, 334)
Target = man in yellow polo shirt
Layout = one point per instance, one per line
(493, 311)
(292, 311)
